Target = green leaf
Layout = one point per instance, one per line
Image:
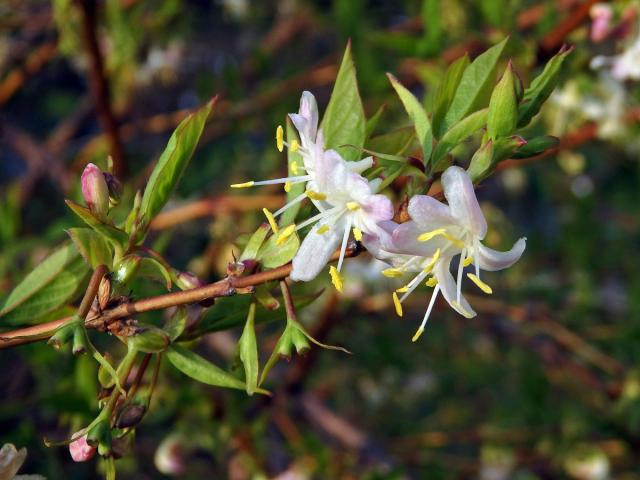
(173, 162)
(272, 255)
(344, 120)
(541, 87)
(250, 252)
(58, 291)
(111, 233)
(482, 162)
(92, 246)
(395, 142)
(446, 91)
(418, 116)
(249, 351)
(175, 325)
(196, 367)
(294, 159)
(503, 106)
(372, 123)
(475, 85)
(459, 132)
(40, 277)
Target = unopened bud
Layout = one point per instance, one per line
(299, 340)
(62, 336)
(126, 269)
(188, 281)
(115, 188)
(284, 345)
(100, 436)
(95, 190)
(80, 450)
(104, 292)
(150, 339)
(131, 415)
(80, 340)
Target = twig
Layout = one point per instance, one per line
(223, 288)
(100, 86)
(34, 62)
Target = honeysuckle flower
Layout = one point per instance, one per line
(625, 66)
(311, 149)
(436, 234)
(347, 203)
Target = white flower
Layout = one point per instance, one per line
(436, 234)
(347, 203)
(625, 66)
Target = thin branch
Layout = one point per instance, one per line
(100, 86)
(223, 288)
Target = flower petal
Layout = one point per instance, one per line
(459, 192)
(405, 241)
(378, 208)
(314, 253)
(309, 110)
(492, 260)
(429, 213)
(449, 290)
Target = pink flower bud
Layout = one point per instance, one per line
(95, 190)
(187, 281)
(80, 450)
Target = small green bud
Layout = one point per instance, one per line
(149, 339)
(536, 146)
(482, 162)
(503, 107)
(284, 345)
(300, 342)
(80, 340)
(63, 335)
(126, 269)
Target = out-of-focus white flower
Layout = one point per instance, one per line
(587, 462)
(435, 234)
(625, 66)
(170, 455)
(11, 459)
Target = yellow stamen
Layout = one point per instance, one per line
(397, 304)
(287, 187)
(271, 219)
(432, 282)
(353, 206)
(316, 195)
(285, 234)
(425, 237)
(336, 279)
(417, 334)
(481, 285)
(323, 229)
(404, 289)
(280, 138)
(294, 167)
(294, 146)
(456, 241)
(392, 272)
(433, 261)
(467, 261)
(243, 185)
(357, 234)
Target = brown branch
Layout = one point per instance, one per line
(100, 86)
(32, 65)
(223, 288)
(554, 39)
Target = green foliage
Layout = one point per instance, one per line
(93, 247)
(503, 106)
(344, 121)
(248, 350)
(446, 91)
(272, 254)
(116, 236)
(172, 163)
(459, 132)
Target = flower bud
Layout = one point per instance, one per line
(150, 339)
(95, 190)
(100, 436)
(62, 336)
(80, 450)
(131, 415)
(126, 269)
(115, 188)
(188, 281)
(104, 292)
(299, 340)
(80, 340)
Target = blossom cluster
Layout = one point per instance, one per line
(349, 204)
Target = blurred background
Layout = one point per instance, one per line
(542, 384)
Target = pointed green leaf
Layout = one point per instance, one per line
(173, 162)
(272, 255)
(459, 132)
(446, 91)
(249, 351)
(475, 85)
(258, 237)
(196, 367)
(344, 121)
(536, 146)
(175, 325)
(93, 247)
(372, 123)
(395, 142)
(418, 116)
(541, 87)
(111, 233)
(154, 269)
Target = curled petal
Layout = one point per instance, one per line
(449, 290)
(492, 260)
(459, 192)
(429, 213)
(314, 253)
(309, 110)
